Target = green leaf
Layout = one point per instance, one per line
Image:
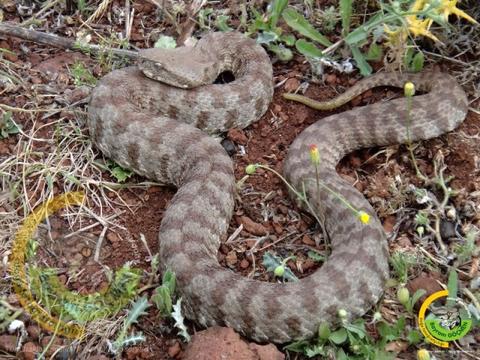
(288, 39)
(315, 256)
(417, 62)
(7, 126)
(298, 23)
(308, 49)
(338, 337)
(361, 33)
(362, 64)
(165, 42)
(418, 294)
(374, 52)
(221, 23)
(266, 37)
(297, 346)
(169, 280)
(163, 300)
(277, 8)
(414, 337)
(356, 36)
(283, 53)
(346, 13)
(452, 287)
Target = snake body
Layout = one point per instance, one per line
(153, 128)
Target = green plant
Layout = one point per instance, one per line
(468, 249)
(7, 126)
(278, 266)
(123, 340)
(394, 22)
(268, 33)
(351, 340)
(81, 75)
(119, 173)
(163, 295)
(402, 262)
(408, 302)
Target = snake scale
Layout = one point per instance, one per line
(148, 118)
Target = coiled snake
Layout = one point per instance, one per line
(151, 127)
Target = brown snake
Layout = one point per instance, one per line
(151, 127)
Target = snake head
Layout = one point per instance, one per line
(180, 67)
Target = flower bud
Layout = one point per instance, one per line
(250, 169)
(423, 354)
(314, 155)
(279, 271)
(342, 314)
(403, 295)
(409, 89)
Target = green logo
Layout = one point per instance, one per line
(441, 323)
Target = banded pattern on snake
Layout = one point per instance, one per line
(151, 127)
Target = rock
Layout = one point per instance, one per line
(231, 258)
(252, 227)
(229, 147)
(174, 350)
(244, 264)
(8, 343)
(307, 240)
(221, 343)
(33, 331)
(29, 350)
(291, 85)
(238, 136)
(266, 352)
(426, 282)
(331, 79)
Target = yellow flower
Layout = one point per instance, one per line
(448, 7)
(395, 37)
(409, 89)
(419, 27)
(423, 354)
(364, 217)
(314, 155)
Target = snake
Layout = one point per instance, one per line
(156, 118)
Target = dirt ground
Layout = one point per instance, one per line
(271, 221)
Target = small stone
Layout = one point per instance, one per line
(231, 258)
(307, 240)
(331, 79)
(33, 331)
(112, 237)
(229, 146)
(278, 228)
(253, 227)
(86, 251)
(30, 350)
(244, 264)
(389, 223)
(8, 343)
(174, 350)
(238, 136)
(291, 85)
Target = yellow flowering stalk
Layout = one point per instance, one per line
(314, 154)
